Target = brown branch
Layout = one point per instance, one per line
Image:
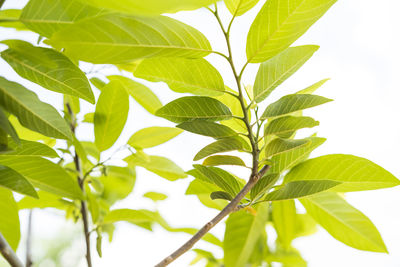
(8, 253)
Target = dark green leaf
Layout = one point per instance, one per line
(221, 195)
(207, 128)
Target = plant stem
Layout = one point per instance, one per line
(28, 260)
(8, 253)
(254, 176)
(81, 182)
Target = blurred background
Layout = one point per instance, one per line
(359, 51)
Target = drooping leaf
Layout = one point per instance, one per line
(280, 145)
(292, 103)
(287, 125)
(194, 107)
(150, 7)
(207, 128)
(58, 14)
(222, 145)
(263, 185)
(142, 94)
(223, 160)
(111, 114)
(312, 88)
(241, 234)
(9, 223)
(118, 183)
(31, 112)
(353, 172)
(48, 68)
(239, 7)
(219, 177)
(155, 196)
(152, 136)
(13, 180)
(276, 70)
(284, 219)
(9, 18)
(344, 222)
(7, 127)
(279, 23)
(300, 188)
(159, 165)
(44, 174)
(195, 76)
(30, 148)
(114, 38)
(291, 158)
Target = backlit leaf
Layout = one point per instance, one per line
(30, 148)
(239, 7)
(223, 160)
(7, 127)
(13, 180)
(288, 124)
(207, 128)
(223, 145)
(152, 136)
(284, 219)
(9, 18)
(280, 145)
(312, 88)
(9, 223)
(263, 185)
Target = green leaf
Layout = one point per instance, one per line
(150, 7)
(152, 136)
(57, 15)
(115, 38)
(239, 7)
(48, 68)
(263, 185)
(194, 107)
(207, 128)
(299, 189)
(223, 160)
(222, 145)
(142, 94)
(241, 234)
(203, 190)
(219, 177)
(46, 200)
(44, 174)
(284, 219)
(292, 103)
(195, 76)
(291, 158)
(98, 83)
(31, 112)
(221, 195)
(279, 23)
(312, 88)
(13, 180)
(355, 173)
(280, 145)
(30, 148)
(9, 18)
(7, 127)
(9, 223)
(155, 196)
(276, 70)
(344, 222)
(128, 215)
(284, 126)
(110, 115)
(118, 183)
(159, 165)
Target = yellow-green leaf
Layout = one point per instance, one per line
(152, 136)
(9, 223)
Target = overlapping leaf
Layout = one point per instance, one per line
(13, 180)
(223, 160)
(9, 18)
(207, 128)
(152, 136)
(280, 145)
(222, 145)
(284, 219)
(263, 185)
(7, 127)
(286, 126)
(30, 148)
(9, 223)
(239, 7)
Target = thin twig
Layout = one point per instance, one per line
(8, 253)
(28, 260)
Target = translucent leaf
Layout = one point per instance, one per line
(155, 196)
(239, 7)
(115, 38)
(279, 23)
(355, 173)
(344, 222)
(299, 189)
(207, 128)
(203, 190)
(195, 76)
(288, 124)
(9, 18)
(276, 70)
(223, 160)
(152, 136)
(142, 94)
(9, 223)
(194, 107)
(292, 103)
(280, 145)
(48, 68)
(111, 114)
(263, 185)
(57, 15)
(30, 148)
(242, 232)
(13, 180)
(46, 200)
(312, 88)
(7, 127)
(41, 173)
(223, 145)
(118, 183)
(284, 219)
(31, 112)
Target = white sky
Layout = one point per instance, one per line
(359, 51)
